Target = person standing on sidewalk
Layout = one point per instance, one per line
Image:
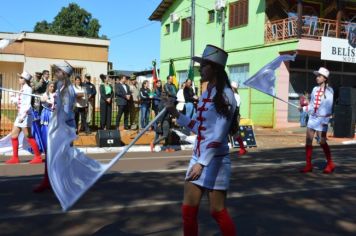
(210, 167)
(106, 95)
(91, 92)
(235, 88)
(134, 104)
(123, 96)
(23, 121)
(303, 102)
(320, 111)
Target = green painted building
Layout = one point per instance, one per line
(256, 32)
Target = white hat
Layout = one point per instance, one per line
(234, 85)
(212, 54)
(25, 75)
(65, 66)
(322, 71)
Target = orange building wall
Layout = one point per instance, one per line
(65, 51)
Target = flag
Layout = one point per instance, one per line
(172, 72)
(191, 73)
(154, 74)
(70, 171)
(6, 42)
(264, 79)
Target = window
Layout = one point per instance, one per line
(211, 16)
(238, 13)
(182, 76)
(186, 28)
(239, 74)
(167, 29)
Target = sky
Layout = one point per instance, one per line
(134, 40)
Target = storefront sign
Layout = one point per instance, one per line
(334, 49)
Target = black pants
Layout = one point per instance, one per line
(164, 132)
(105, 115)
(82, 113)
(123, 109)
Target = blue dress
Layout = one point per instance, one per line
(211, 146)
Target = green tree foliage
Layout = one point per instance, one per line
(71, 21)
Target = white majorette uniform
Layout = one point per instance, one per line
(23, 108)
(320, 108)
(211, 146)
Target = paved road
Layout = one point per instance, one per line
(142, 193)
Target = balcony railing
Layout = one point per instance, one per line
(312, 28)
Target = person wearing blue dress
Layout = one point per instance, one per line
(319, 111)
(210, 166)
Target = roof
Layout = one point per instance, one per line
(160, 10)
(56, 38)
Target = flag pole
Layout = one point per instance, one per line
(280, 99)
(16, 91)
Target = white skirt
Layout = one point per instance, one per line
(27, 122)
(318, 123)
(214, 176)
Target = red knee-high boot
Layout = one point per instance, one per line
(330, 166)
(227, 226)
(190, 220)
(45, 184)
(308, 157)
(15, 150)
(242, 147)
(37, 158)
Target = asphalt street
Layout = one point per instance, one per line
(141, 195)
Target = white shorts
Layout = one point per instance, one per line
(27, 122)
(318, 123)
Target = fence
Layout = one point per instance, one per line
(312, 28)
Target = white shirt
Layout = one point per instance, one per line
(238, 100)
(81, 101)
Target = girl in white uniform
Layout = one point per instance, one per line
(319, 110)
(23, 121)
(210, 167)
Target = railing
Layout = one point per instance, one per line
(312, 28)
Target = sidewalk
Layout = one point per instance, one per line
(266, 138)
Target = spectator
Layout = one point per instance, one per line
(157, 93)
(303, 102)
(44, 82)
(162, 128)
(189, 98)
(145, 103)
(170, 88)
(91, 92)
(106, 95)
(81, 105)
(180, 98)
(134, 104)
(123, 96)
(36, 84)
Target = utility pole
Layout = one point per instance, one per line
(222, 9)
(192, 37)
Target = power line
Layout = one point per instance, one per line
(133, 30)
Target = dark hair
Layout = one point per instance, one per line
(121, 76)
(221, 104)
(143, 83)
(102, 77)
(80, 79)
(45, 71)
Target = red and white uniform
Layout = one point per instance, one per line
(211, 146)
(23, 108)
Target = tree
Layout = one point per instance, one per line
(71, 21)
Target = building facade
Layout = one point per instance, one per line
(256, 32)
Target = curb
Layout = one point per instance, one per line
(98, 150)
